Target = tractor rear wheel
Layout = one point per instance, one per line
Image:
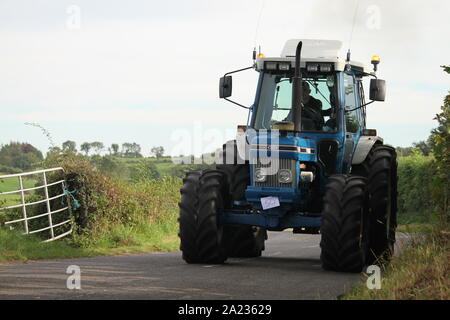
(345, 223)
(236, 169)
(202, 197)
(188, 217)
(380, 167)
(240, 240)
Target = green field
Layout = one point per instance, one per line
(164, 167)
(11, 184)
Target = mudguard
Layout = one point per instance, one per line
(365, 144)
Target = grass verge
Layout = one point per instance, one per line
(415, 228)
(420, 272)
(16, 246)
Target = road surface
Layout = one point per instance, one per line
(289, 269)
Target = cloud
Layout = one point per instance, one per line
(169, 117)
(153, 63)
(405, 106)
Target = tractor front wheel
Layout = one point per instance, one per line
(380, 168)
(345, 224)
(202, 197)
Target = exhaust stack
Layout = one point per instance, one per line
(297, 91)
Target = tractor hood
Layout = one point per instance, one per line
(282, 145)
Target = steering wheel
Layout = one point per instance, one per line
(314, 115)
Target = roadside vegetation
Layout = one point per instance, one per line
(421, 270)
(113, 216)
(127, 203)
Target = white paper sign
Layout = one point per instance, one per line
(270, 202)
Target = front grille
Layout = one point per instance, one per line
(272, 179)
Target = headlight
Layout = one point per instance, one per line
(284, 66)
(285, 176)
(325, 67)
(312, 67)
(271, 65)
(260, 175)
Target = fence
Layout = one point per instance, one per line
(49, 213)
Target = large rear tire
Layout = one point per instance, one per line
(380, 167)
(203, 196)
(344, 226)
(240, 240)
(236, 170)
(188, 217)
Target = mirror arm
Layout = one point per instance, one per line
(226, 74)
(366, 74)
(240, 105)
(360, 106)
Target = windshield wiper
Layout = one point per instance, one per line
(317, 90)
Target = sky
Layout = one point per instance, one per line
(148, 71)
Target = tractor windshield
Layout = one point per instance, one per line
(319, 100)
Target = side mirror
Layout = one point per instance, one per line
(225, 87)
(377, 89)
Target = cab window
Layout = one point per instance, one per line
(352, 121)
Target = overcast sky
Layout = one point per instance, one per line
(144, 71)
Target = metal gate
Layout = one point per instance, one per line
(47, 200)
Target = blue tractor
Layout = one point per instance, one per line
(305, 161)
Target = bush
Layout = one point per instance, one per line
(106, 203)
(143, 171)
(110, 166)
(20, 155)
(415, 179)
(9, 170)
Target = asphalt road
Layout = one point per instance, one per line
(289, 269)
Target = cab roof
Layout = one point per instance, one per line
(314, 50)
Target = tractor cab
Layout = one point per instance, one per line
(332, 104)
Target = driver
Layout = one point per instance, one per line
(312, 108)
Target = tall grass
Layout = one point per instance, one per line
(420, 272)
(17, 246)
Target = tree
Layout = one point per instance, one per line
(158, 152)
(404, 151)
(20, 155)
(115, 148)
(86, 147)
(441, 151)
(69, 146)
(131, 150)
(423, 146)
(97, 146)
